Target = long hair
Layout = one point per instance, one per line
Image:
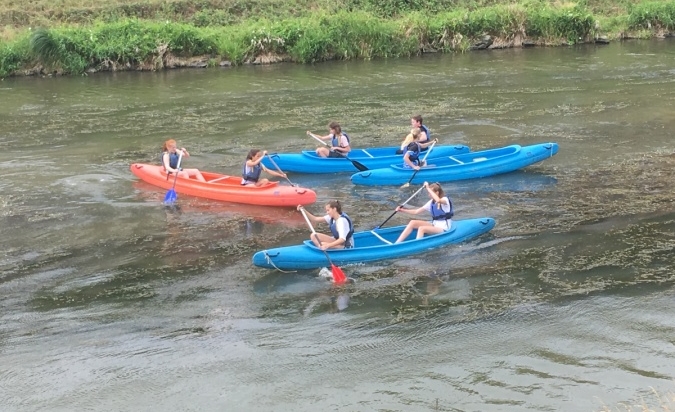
(165, 147)
(335, 204)
(413, 135)
(336, 127)
(252, 153)
(438, 189)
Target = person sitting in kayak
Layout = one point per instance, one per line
(341, 228)
(170, 155)
(440, 207)
(411, 158)
(416, 121)
(425, 134)
(339, 141)
(250, 174)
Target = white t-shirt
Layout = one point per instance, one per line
(445, 207)
(342, 226)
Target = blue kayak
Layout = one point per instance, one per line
(370, 246)
(373, 158)
(459, 167)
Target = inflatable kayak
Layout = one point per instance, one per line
(366, 159)
(370, 246)
(226, 188)
(459, 167)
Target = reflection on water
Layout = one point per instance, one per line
(105, 291)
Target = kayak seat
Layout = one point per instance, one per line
(380, 237)
(367, 154)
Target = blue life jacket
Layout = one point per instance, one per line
(336, 142)
(253, 175)
(438, 214)
(426, 130)
(173, 159)
(336, 235)
(414, 157)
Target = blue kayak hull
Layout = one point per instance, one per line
(459, 167)
(373, 158)
(370, 246)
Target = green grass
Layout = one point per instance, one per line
(47, 13)
(71, 36)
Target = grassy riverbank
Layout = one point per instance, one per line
(73, 36)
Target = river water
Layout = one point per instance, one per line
(110, 301)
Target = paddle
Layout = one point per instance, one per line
(401, 205)
(358, 165)
(423, 160)
(279, 170)
(171, 195)
(339, 276)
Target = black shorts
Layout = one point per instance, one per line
(333, 153)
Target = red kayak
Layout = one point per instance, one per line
(226, 188)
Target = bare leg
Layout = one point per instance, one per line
(428, 230)
(322, 152)
(412, 225)
(194, 173)
(261, 182)
(324, 239)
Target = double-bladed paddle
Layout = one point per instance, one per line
(358, 165)
(401, 205)
(339, 276)
(280, 171)
(422, 162)
(171, 195)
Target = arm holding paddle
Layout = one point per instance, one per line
(341, 150)
(310, 216)
(272, 172)
(339, 276)
(428, 143)
(419, 210)
(166, 160)
(340, 142)
(170, 155)
(253, 169)
(440, 208)
(333, 214)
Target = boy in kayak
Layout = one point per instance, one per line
(440, 208)
(341, 227)
(340, 144)
(170, 155)
(425, 134)
(250, 174)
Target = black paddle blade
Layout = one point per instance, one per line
(359, 165)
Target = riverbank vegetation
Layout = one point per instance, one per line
(75, 36)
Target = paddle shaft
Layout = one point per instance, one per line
(175, 178)
(316, 237)
(279, 170)
(171, 196)
(401, 205)
(424, 159)
(360, 166)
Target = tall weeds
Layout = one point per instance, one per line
(321, 35)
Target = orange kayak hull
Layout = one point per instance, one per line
(225, 188)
